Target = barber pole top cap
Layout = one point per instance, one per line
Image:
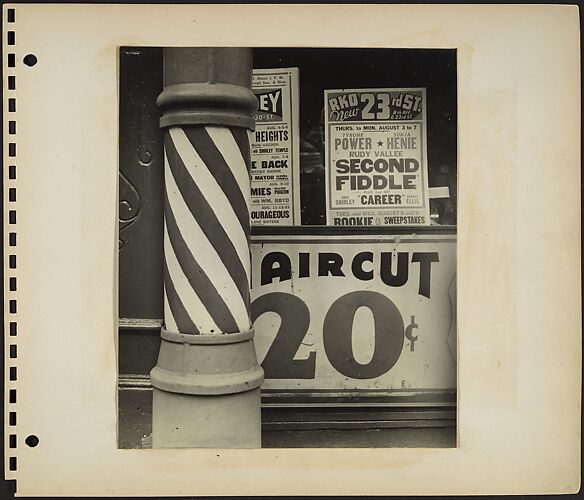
(207, 86)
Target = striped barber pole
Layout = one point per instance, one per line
(202, 376)
(206, 230)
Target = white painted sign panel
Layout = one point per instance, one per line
(347, 313)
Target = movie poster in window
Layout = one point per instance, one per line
(275, 170)
(376, 160)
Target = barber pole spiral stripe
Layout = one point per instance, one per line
(206, 230)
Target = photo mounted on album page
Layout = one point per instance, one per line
(287, 261)
(353, 300)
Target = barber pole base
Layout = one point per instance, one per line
(206, 421)
(206, 392)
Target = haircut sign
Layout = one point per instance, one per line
(344, 313)
(376, 171)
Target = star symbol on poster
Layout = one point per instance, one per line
(380, 143)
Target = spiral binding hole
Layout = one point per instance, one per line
(12, 258)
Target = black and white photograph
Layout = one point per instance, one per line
(291, 250)
(287, 247)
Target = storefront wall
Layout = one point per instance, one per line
(345, 317)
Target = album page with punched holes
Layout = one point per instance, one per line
(519, 346)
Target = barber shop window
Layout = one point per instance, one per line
(353, 210)
(381, 92)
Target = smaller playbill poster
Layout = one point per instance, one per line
(275, 154)
(376, 161)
